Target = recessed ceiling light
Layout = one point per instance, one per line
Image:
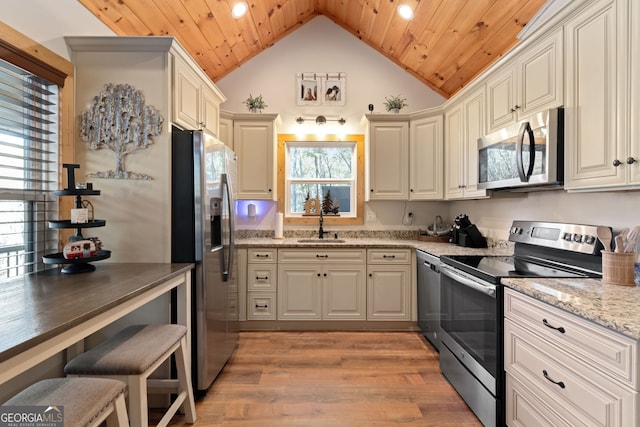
(239, 9)
(405, 11)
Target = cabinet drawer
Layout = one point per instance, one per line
(262, 277)
(525, 409)
(262, 255)
(331, 256)
(606, 351)
(261, 306)
(565, 383)
(389, 256)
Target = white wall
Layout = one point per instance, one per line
(322, 46)
(48, 22)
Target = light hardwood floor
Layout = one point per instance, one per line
(332, 379)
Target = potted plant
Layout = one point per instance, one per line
(394, 103)
(255, 105)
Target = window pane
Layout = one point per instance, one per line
(28, 170)
(321, 162)
(340, 195)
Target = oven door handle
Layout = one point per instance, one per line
(485, 288)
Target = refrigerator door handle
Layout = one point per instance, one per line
(231, 209)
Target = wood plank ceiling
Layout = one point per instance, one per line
(446, 45)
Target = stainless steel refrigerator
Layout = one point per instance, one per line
(203, 179)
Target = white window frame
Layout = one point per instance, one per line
(353, 181)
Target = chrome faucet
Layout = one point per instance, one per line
(321, 231)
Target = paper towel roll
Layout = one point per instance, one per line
(278, 225)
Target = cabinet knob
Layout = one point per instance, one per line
(631, 160)
(370, 275)
(411, 190)
(371, 190)
(515, 108)
(269, 190)
(617, 163)
(318, 274)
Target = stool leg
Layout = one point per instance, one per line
(138, 415)
(184, 381)
(118, 418)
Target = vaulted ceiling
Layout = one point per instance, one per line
(446, 45)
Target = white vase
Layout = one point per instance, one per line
(394, 110)
(255, 110)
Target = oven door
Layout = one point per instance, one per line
(470, 320)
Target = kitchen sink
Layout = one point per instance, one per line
(321, 241)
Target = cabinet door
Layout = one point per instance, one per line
(426, 175)
(186, 96)
(540, 76)
(299, 292)
(388, 158)
(454, 153)
(388, 292)
(501, 98)
(591, 109)
(634, 91)
(474, 128)
(210, 112)
(254, 144)
(343, 293)
(225, 131)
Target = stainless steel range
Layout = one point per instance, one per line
(471, 350)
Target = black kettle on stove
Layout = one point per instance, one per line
(464, 233)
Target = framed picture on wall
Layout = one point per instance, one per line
(333, 89)
(308, 89)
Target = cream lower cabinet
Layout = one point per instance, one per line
(562, 370)
(389, 284)
(316, 284)
(262, 275)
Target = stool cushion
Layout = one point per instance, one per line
(83, 399)
(130, 352)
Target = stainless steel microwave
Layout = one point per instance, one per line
(525, 156)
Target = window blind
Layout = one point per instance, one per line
(28, 170)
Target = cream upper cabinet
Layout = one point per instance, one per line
(426, 157)
(388, 157)
(254, 141)
(464, 124)
(596, 111)
(531, 82)
(196, 101)
(225, 132)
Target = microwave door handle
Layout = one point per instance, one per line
(525, 129)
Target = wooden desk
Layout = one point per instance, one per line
(48, 312)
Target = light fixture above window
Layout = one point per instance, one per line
(320, 120)
(239, 9)
(405, 11)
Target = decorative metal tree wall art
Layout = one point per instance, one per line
(120, 121)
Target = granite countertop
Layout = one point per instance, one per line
(434, 248)
(615, 307)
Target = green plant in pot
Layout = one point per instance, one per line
(255, 105)
(395, 103)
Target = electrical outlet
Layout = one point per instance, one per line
(371, 216)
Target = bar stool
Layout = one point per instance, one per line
(85, 402)
(131, 356)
